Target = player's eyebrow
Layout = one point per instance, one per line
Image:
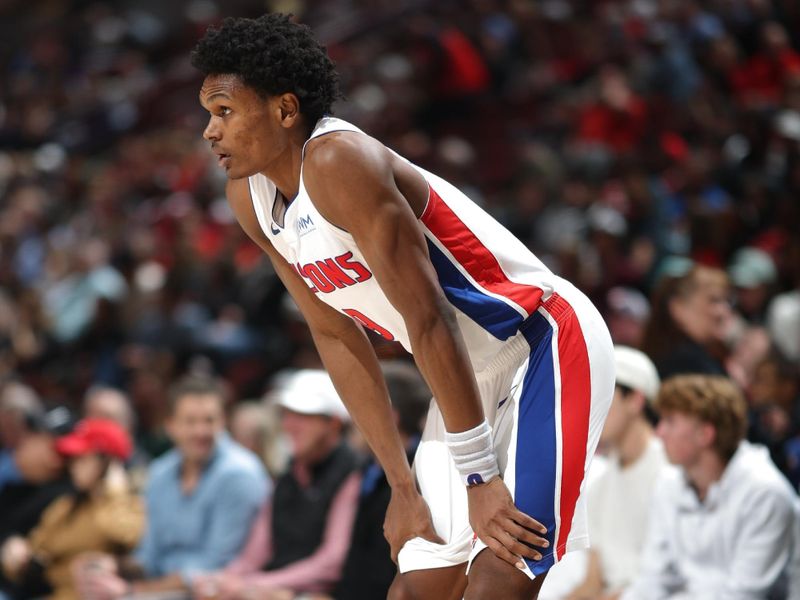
(212, 97)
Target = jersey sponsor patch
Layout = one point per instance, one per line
(305, 225)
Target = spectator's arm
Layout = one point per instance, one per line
(320, 570)
(766, 528)
(241, 495)
(258, 549)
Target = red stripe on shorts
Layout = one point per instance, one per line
(576, 399)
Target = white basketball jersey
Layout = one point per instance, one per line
(492, 280)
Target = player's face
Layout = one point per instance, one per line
(684, 437)
(244, 128)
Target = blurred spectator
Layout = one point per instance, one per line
(109, 403)
(20, 407)
(299, 542)
(753, 275)
(688, 324)
(248, 426)
(35, 465)
(256, 426)
(368, 569)
(37, 475)
(627, 314)
(202, 499)
(759, 81)
(774, 401)
(617, 121)
(783, 322)
(620, 499)
(102, 515)
(724, 524)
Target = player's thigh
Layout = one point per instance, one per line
(491, 577)
(446, 583)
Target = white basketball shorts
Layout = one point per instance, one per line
(546, 394)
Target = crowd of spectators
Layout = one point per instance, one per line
(647, 150)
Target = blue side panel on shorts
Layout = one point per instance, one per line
(534, 491)
(495, 316)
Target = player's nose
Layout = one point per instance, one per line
(212, 131)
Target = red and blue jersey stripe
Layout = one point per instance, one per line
(471, 276)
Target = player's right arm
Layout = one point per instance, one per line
(353, 366)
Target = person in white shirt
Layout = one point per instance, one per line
(620, 499)
(723, 525)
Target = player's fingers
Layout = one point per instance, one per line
(527, 536)
(516, 547)
(504, 553)
(527, 521)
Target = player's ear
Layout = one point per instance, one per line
(289, 105)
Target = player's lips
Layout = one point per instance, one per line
(223, 158)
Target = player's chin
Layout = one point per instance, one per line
(234, 174)
(238, 173)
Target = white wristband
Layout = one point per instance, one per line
(473, 453)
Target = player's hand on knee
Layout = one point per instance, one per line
(506, 530)
(407, 517)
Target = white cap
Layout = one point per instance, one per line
(636, 371)
(311, 392)
(751, 267)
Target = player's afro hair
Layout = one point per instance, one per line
(273, 55)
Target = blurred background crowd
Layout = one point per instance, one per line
(647, 150)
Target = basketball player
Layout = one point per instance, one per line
(519, 362)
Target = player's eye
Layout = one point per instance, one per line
(224, 111)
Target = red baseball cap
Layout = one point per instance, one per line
(101, 436)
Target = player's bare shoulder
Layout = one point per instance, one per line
(348, 166)
(344, 154)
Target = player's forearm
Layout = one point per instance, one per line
(442, 357)
(354, 369)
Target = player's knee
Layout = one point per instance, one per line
(399, 590)
(481, 588)
(492, 578)
(484, 588)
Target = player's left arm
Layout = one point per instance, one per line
(352, 181)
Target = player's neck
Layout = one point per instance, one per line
(634, 443)
(284, 171)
